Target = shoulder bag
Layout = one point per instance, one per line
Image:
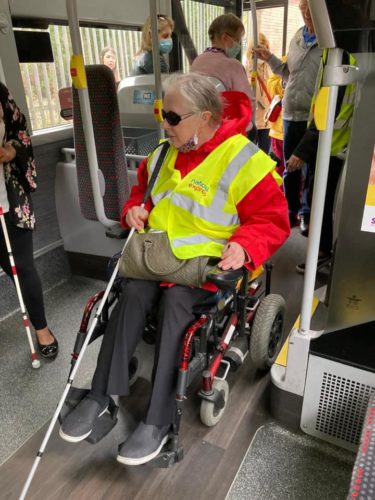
(148, 256)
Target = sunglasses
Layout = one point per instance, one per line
(173, 118)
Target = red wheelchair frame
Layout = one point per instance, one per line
(239, 319)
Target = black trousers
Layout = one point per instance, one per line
(335, 168)
(124, 330)
(21, 241)
(263, 140)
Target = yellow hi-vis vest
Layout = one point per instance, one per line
(199, 211)
(343, 122)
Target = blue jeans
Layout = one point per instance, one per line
(295, 182)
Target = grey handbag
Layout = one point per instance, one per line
(148, 256)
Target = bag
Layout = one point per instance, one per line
(274, 110)
(148, 256)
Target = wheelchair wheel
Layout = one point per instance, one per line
(209, 413)
(135, 366)
(267, 331)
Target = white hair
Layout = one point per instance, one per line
(199, 92)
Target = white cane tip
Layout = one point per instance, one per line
(36, 363)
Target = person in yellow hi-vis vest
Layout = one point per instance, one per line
(215, 195)
(306, 152)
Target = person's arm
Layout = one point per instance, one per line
(264, 222)
(277, 65)
(137, 193)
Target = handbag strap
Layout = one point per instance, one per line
(165, 146)
(262, 84)
(147, 245)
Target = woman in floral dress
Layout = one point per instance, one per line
(17, 181)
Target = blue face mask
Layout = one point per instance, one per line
(234, 50)
(165, 46)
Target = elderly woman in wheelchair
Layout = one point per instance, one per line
(215, 195)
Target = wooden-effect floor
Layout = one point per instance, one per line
(212, 455)
(84, 471)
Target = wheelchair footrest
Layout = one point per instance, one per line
(103, 425)
(167, 458)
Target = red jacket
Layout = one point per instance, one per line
(263, 212)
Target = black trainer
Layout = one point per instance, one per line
(322, 262)
(78, 424)
(143, 445)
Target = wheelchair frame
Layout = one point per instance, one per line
(236, 307)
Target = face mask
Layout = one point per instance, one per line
(189, 145)
(165, 46)
(234, 50)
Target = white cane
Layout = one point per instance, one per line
(34, 357)
(90, 332)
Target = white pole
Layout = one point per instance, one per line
(156, 57)
(317, 208)
(254, 72)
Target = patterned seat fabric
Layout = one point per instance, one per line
(109, 145)
(362, 486)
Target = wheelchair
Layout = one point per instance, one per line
(241, 318)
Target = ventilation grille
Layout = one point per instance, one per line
(342, 407)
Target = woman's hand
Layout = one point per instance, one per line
(7, 153)
(294, 163)
(262, 53)
(136, 217)
(233, 257)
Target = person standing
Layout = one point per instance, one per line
(143, 62)
(17, 180)
(299, 72)
(306, 151)
(219, 61)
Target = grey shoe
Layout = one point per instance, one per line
(143, 445)
(78, 424)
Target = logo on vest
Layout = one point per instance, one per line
(199, 186)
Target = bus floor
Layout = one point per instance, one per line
(80, 471)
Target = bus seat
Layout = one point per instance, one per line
(109, 145)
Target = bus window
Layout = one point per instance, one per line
(42, 81)
(271, 23)
(199, 16)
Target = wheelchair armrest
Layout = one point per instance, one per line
(225, 280)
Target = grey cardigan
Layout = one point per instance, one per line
(299, 72)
